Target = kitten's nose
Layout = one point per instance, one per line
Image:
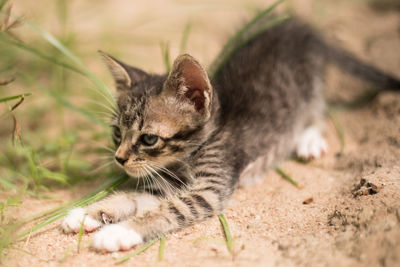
(121, 160)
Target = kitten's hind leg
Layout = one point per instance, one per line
(112, 209)
(310, 144)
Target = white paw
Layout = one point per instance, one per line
(73, 221)
(311, 144)
(115, 237)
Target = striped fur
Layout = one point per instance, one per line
(209, 133)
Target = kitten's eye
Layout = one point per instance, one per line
(116, 134)
(149, 139)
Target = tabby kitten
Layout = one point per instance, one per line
(195, 138)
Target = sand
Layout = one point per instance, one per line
(348, 210)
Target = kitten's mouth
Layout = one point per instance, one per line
(136, 171)
(143, 168)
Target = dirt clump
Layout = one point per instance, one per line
(366, 188)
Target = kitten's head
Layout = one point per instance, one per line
(160, 118)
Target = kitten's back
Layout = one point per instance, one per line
(272, 87)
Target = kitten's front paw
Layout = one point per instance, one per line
(73, 221)
(115, 237)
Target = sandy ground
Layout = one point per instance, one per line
(354, 216)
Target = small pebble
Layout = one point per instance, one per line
(308, 201)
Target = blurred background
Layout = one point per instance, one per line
(54, 106)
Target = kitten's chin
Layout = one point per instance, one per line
(134, 174)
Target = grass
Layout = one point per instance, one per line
(185, 37)
(227, 234)
(161, 249)
(137, 251)
(59, 212)
(339, 131)
(9, 98)
(287, 177)
(251, 29)
(57, 78)
(166, 56)
(80, 234)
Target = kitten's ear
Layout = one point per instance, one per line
(124, 76)
(189, 82)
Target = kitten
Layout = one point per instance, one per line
(195, 138)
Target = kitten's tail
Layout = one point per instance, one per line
(352, 65)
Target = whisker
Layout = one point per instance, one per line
(181, 161)
(104, 113)
(148, 181)
(144, 184)
(158, 184)
(112, 110)
(171, 189)
(137, 184)
(103, 146)
(110, 104)
(110, 99)
(101, 167)
(142, 177)
(164, 169)
(151, 177)
(173, 176)
(167, 186)
(170, 173)
(107, 157)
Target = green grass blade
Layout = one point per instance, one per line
(45, 213)
(52, 175)
(7, 185)
(339, 131)
(165, 54)
(264, 27)
(76, 109)
(257, 18)
(97, 194)
(7, 233)
(52, 40)
(105, 187)
(161, 249)
(31, 157)
(227, 233)
(5, 99)
(137, 252)
(43, 224)
(185, 37)
(64, 50)
(232, 43)
(288, 178)
(38, 53)
(80, 235)
(2, 4)
(222, 59)
(67, 252)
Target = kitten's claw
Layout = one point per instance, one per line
(106, 218)
(115, 237)
(73, 221)
(311, 144)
